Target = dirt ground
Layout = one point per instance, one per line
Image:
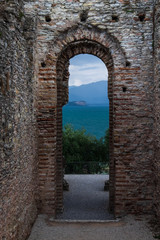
(86, 216)
(86, 198)
(125, 229)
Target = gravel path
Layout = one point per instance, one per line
(126, 229)
(86, 199)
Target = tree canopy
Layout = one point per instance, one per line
(83, 149)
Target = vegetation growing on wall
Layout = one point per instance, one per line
(84, 153)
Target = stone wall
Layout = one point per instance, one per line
(37, 39)
(17, 122)
(157, 109)
(125, 30)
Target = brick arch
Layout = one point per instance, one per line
(53, 94)
(80, 33)
(80, 47)
(73, 49)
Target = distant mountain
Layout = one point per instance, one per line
(93, 93)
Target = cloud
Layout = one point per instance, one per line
(87, 73)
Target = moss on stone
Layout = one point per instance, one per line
(127, 10)
(21, 14)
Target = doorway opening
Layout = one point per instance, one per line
(62, 72)
(86, 141)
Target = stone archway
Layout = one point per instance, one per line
(125, 186)
(33, 35)
(74, 48)
(53, 89)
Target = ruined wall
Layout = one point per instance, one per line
(125, 29)
(18, 165)
(34, 56)
(157, 109)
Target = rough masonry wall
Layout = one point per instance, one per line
(130, 26)
(157, 110)
(124, 29)
(18, 166)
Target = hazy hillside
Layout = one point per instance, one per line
(92, 93)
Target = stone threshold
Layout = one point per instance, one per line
(84, 221)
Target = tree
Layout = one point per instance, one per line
(82, 149)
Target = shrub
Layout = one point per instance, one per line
(84, 152)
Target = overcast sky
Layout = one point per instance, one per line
(86, 68)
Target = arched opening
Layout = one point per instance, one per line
(85, 141)
(73, 49)
(53, 95)
(88, 87)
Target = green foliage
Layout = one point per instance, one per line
(129, 10)
(21, 14)
(157, 237)
(85, 151)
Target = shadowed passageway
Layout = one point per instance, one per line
(86, 198)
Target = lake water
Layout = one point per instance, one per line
(95, 119)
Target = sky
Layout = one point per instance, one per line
(86, 68)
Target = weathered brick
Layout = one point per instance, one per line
(37, 39)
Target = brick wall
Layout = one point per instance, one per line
(17, 123)
(37, 40)
(124, 29)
